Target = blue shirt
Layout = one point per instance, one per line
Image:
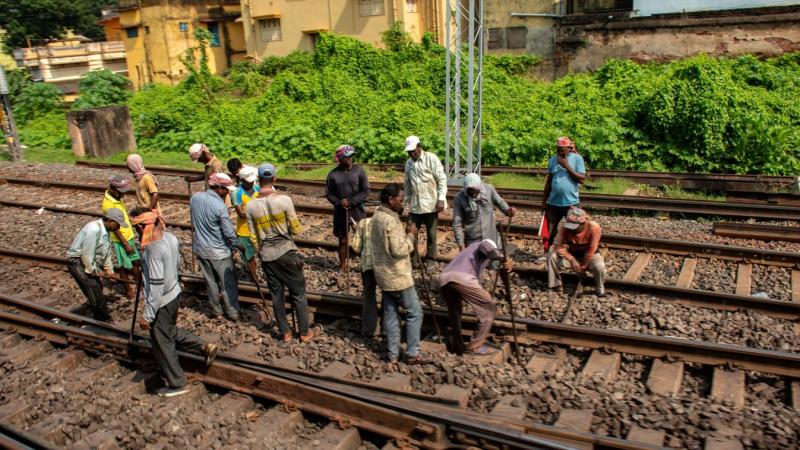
(214, 235)
(563, 189)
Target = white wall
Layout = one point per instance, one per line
(650, 7)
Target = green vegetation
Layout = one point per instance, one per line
(100, 88)
(40, 20)
(697, 115)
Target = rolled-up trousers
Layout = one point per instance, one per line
(482, 303)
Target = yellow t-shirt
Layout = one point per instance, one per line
(110, 202)
(242, 198)
(145, 188)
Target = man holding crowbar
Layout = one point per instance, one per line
(162, 295)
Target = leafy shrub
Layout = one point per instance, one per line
(100, 88)
(36, 99)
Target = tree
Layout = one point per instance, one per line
(39, 20)
(36, 99)
(100, 88)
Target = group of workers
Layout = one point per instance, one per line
(264, 230)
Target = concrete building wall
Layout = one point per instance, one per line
(520, 26)
(158, 33)
(586, 45)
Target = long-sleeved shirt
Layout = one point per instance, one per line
(476, 215)
(160, 262)
(466, 267)
(272, 222)
(93, 246)
(214, 236)
(391, 251)
(214, 165)
(425, 183)
(361, 243)
(111, 202)
(351, 184)
(569, 243)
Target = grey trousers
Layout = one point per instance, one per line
(555, 264)
(167, 339)
(219, 273)
(91, 288)
(369, 309)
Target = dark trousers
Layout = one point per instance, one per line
(91, 288)
(554, 216)
(369, 309)
(485, 310)
(430, 220)
(168, 339)
(287, 272)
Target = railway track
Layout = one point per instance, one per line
(745, 184)
(780, 207)
(757, 231)
(682, 291)
(61, 351)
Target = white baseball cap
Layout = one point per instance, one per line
(249, 174)
(411, 143)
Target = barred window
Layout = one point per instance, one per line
(411, 6)
(372, 7)
(270, 29)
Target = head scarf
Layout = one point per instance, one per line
(196, 150)
(149, 220)
(340, 152)
(472, 180)
(564, 141)
(136, 165)
(221, 179)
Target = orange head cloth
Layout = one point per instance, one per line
(148, 219)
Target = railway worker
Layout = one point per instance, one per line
(89, 258)
(347, 188)
(214, 238)
(575, 247)
(162, 298)
(234, 166)
(123, 238)
(362, 245)
(248, 190)
(272, 222)
(425, 190)
(473, 212)
(200, 153)
(391, 259)
(146, 183)
(460, 283)
(565, 174)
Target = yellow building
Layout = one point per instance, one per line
(278, 27)
(157, 34)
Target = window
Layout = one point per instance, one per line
(183, 27)
(213, 28)
(132, 32)
(411, 6)
(372, 7)
(146, 29)
(517, 37)
(495, 38)
(270, 29)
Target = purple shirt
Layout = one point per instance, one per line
(466, 267)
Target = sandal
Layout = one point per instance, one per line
(312, 333)
(287, 337)
(483, 350)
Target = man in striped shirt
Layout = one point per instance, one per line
(272, 222)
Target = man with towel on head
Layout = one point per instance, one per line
(146, 184)
(473, 212)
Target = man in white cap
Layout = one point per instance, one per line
(460, 282)
(89, 258)
(425, 190)
(200, 153)
(213, 239)
(248, 190)
(473, 212)
(575, 247)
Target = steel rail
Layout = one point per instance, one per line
(775, 308)
(340, 305)
(756, 231)
(531, 199)
(12, 438)
(411, 421)
(697, 181)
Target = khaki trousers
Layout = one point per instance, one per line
(556, 264)
(482, 303)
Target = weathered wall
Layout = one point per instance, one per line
(767, 32)
(513, 28)
(101, 132)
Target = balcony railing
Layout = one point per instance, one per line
(69, 50)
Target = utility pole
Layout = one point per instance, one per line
(9, 127)
(464, 98)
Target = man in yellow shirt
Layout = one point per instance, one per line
(146, 184)
(123, 239)
(247, 191)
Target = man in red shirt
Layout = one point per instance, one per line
(575, 247)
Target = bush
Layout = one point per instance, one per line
(36, 99)
(101, 88)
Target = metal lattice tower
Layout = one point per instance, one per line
(463, 110)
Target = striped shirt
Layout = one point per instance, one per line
(272, 222)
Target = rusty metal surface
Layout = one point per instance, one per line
(757, 231)
(12, 438)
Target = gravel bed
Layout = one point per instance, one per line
(775, 282)
(662, 269)
(618, 262)
(715, 275)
